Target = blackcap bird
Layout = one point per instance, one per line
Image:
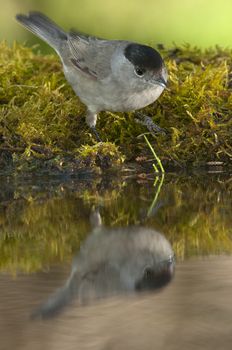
(114, 262)
(107, 75)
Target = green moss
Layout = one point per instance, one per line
(102, 154)
(42, 123)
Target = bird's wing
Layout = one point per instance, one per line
(91, 55)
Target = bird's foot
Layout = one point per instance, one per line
(148, 122)
(95, 133)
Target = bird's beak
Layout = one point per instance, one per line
(160, 81)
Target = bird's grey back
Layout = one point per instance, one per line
(87, 53)
(92, 53)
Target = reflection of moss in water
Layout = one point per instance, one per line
(38, 227)
(47, 226)
(42, 121)
(199, 221)
(41, 234)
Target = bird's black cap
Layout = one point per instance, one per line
(143, 56)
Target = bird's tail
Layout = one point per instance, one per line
(44, 28)
(58, 301)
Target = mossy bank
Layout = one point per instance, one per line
(42, 122)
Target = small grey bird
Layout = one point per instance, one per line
(114, 262)
(107, 75)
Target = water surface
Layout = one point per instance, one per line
(45, 222)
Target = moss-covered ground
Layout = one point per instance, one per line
(42, 122)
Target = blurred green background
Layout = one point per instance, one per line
(199, 22)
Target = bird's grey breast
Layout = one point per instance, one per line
(139, 99)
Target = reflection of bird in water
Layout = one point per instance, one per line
(114, 261)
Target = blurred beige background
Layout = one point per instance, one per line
(199, 22)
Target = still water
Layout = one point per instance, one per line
(119, 263)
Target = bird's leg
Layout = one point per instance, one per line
(91, 119)
(95, 133)
(148, 122)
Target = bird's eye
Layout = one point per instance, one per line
(139, 71)
(148, 273)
